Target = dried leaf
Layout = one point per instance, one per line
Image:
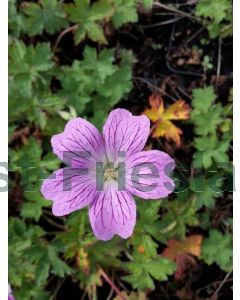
(162, 117)
(168, 130)
(184, 263)
(178, 111)
(83, 261)
(156, 102)
(191, 245)
(181, 251)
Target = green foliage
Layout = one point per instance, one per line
(202, 100)
(28, 67)
(45, 15)
(212, 144)
(88, 18)
(146, 264)
(206, 190)
(219, 12)
(93, 79)
(21, 239)
(125, 12)
(144, 270)
(180, 213)
(148, 3)
(32, 257)
(28, 291)
(218, 248)
(29, 163)
(203, 104)
(149, 223)
(216, 10)
(214, 119)
(15, 20)
(30, 75)
(210, 148)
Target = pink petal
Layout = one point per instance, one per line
(79, 139)
(112, 212)
(67, 199)
(125, 132)
(154, 164)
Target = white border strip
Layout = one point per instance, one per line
(3, 146)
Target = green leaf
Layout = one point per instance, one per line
(218, 248)
(88, 17)
(65, 115)
(95, 33)
(210, 150)
(214, 117)
(28, 67)
(21, 239)
(59, 267)
(203, 99)
(55, 125)
(30, 291)
(46, 15)
(42, 271)
(180, 213)
(148, 219)
(93, 78)
(111, 249)
(101, 9)
(33, 207)
(117, 85)
(140, 281)
(29, 163)
(100, 65)
(160, 268)
(209, 147)
(125, 12)
(148, 3)
(15, 20)
(142, 270)
(215, 9)
(146, 244)
(217, 14)
(205, 195)
(28, 155)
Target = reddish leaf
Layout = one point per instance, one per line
(181, 252)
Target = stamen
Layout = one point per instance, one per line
(109, 173)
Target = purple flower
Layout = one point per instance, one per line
(125, 170)
(10, 296)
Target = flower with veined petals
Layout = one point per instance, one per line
(112, 209)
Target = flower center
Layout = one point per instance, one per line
(110, 172)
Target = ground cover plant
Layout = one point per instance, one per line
(170, 61)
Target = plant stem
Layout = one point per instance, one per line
(111, 283)
(61, 35)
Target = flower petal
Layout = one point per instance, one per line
(125, 132)
(69, 190)
(147, 174)
(112, 212)
(79, 139)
